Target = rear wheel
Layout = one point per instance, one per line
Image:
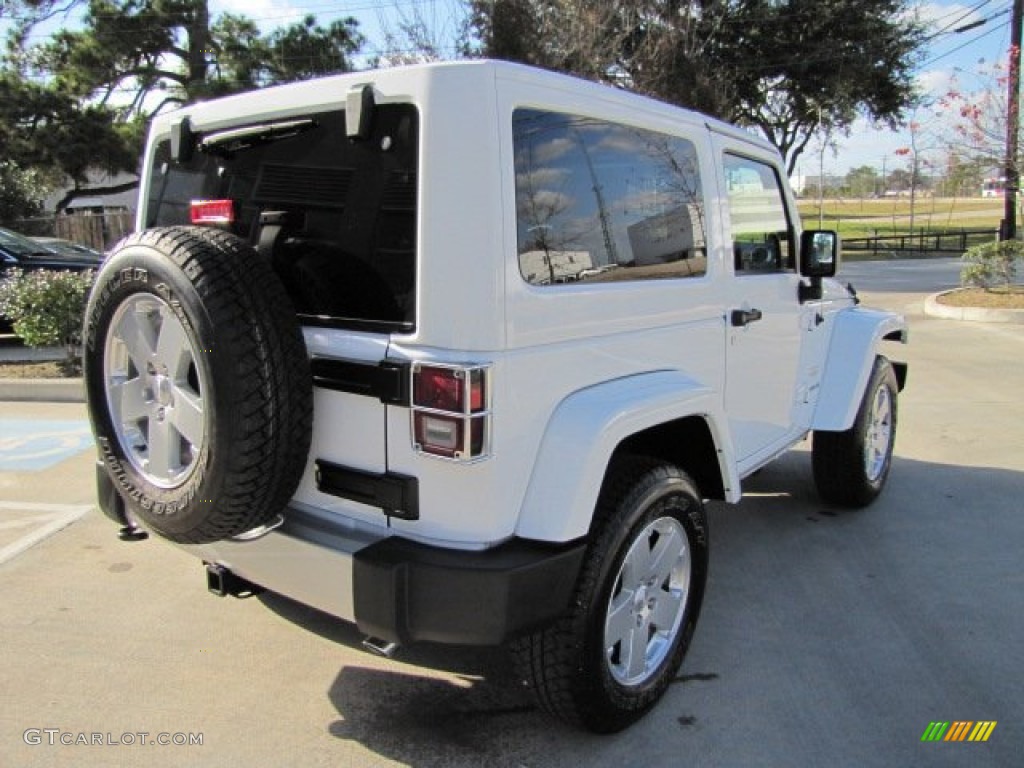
(851, 467)
(611, 658)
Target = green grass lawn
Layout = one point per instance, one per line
(891, 216)
(900, 206)
(888, 216)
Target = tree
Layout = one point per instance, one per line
(790, 68)
(973, 116)
(900, 180)
(21, 192)
(413, 38)
(173, 51)
(862, 182)
(82, 99)
(841, 59)
(962, 177)
(54, 134)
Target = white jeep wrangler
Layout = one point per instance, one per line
(457, 352)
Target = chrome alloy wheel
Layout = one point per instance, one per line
(155, 390)
(879, 435)
(647, 603)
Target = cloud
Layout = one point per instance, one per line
(947, 16)
(935, 83)
(542, 177)
(268, 14)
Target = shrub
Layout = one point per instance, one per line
(46, 307)
(992, 264)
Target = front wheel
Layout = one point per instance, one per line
(851, 467)
(610, 659)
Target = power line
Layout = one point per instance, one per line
(964, 45)
(962, 16)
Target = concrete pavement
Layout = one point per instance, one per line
(828, 637)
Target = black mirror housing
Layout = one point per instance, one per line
(819, 253)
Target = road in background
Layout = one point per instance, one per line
(828, 637)
(911, 276)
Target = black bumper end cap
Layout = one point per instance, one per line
(408, 592)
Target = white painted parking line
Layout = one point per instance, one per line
(42, 521)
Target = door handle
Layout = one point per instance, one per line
(741, 317)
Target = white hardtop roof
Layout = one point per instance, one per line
(412, 82)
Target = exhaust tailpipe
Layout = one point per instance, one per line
(380, 647)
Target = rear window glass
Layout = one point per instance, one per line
(336, 217)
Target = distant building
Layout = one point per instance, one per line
(993, 187)
(542, 267)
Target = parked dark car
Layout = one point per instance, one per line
(20, 252)
(71, 250)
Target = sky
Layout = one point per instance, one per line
(949, 55)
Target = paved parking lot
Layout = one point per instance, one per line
(827, 638)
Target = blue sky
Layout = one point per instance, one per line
(947, 53)
(946, 57)
(950, 56)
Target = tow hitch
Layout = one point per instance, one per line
(222, 581)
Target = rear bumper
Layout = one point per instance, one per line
(395, 589)
(406, 591)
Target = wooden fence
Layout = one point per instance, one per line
(96, 230)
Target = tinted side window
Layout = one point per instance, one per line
(599, 201)
(761, 233)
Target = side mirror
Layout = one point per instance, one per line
(819, 253)
(819, 257)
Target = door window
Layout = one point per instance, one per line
(762, 234)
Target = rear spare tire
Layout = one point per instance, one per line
(197, 382)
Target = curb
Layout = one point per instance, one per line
(974, 314)
(42, 390)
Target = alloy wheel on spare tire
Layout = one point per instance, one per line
(198, 383)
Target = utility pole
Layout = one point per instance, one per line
(1009, 228)
(602, 209)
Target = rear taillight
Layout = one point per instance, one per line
(451, 415)
(212, 212)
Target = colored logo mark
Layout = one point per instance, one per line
(959, 730)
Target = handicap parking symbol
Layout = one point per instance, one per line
(29, 445)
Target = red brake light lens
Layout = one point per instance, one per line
(212, 211)
(439, 388)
